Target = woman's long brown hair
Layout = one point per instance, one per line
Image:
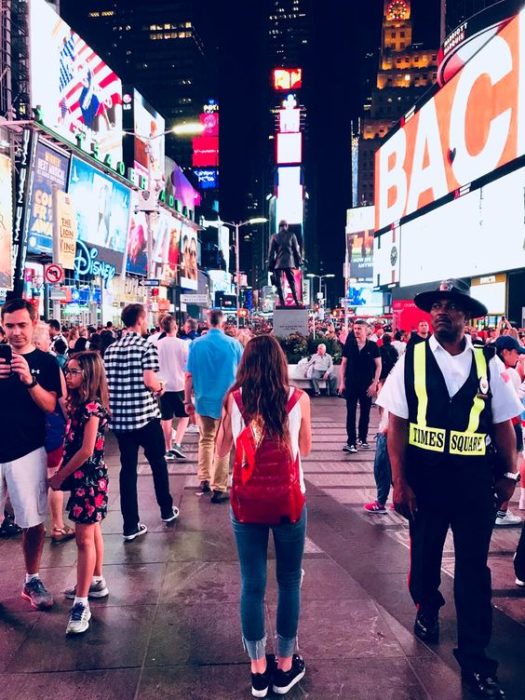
(263, 377)
(94, 386)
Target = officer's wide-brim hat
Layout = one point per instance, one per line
(452, 289)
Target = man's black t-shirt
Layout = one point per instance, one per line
(22, 422)
(360, 366)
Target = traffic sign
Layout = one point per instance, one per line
(194, 298)
(58, 293)
(150, 283)
(54, 273)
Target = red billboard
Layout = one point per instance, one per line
(472, 126)
(206, 151)
(285, 79)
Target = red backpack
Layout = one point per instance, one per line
(266, 487)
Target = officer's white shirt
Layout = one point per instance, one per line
(455, 370)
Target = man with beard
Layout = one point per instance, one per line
(448, 405)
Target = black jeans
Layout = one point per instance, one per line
(353, 395)
(151, 438)
(519, 561)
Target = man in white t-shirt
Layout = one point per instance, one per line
(173, 356)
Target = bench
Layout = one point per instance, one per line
(297, 378)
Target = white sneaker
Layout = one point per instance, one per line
(79, 618)
(192, 428)
(520, 583)
(96, 590)
(507, 519)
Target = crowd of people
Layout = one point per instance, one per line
(450, 398)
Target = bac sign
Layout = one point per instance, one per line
(53, 273)
(287, 78)
(473, 125)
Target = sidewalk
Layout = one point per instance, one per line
(170, 627)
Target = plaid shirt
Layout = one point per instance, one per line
(132, 405)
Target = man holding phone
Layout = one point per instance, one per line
(29, 388)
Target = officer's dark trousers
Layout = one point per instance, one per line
(462, 499)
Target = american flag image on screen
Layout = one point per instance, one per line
(89, 89)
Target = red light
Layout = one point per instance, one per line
(287, 79)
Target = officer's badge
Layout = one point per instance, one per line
(483, 387)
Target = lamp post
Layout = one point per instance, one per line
(312, 275)
(237, 226)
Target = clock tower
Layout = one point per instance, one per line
(397, 25)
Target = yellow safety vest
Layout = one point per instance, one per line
(467, 443)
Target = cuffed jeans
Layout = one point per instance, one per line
(208, 460)
(151, 438)
(382, 469)
(252, 547)
(331, 382)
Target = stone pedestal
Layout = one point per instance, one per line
(289, 320)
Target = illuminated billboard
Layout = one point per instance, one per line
(188, 257)
(287, 79)
(360, 242)
(149, 127)
(289, 195)
(102, 207)
(472, 126)
(289, 148)
(208, 178)
(289, 120)
(49, 174)
(205, 152)
(78, 93)
(6, 224)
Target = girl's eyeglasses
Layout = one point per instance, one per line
(74, 372)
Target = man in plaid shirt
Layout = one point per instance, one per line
(132, 365)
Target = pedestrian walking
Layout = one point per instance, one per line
(29, 388)
(211, 369)
(447, 401)
(132, 367)
(85, 475)
(359, 381)
(268, 422)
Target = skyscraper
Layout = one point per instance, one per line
(406, 71)
(157, 47)
(457, 11)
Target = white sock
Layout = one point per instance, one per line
(522, 494)
(30, 577)
(98, 579)
(84, 601)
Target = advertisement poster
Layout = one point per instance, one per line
(360, 242)
(6, 224)
(50, 174)
(77, 91)
(149, 127)
(137, 252)
(102, 208)
(65, 231)
(188, 254)
(166, 247)
(183, 190)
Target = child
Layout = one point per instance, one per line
(382, 468)
(87, 478)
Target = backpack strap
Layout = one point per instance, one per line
(293, 400)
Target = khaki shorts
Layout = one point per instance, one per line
(25, 479)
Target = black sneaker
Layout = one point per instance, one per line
(170, 517)
(426, 627)
(9, 528)
(204, 488)
(177, 451)
(261, 681)
(350, 448)
(141, 530)
(484, 685)
(283, 681)
(219, 497)
(363, 445)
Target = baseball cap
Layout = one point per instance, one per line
(507, 342)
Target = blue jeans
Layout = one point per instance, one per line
(382, 469)
(252, 547)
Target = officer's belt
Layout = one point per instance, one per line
(435, 440)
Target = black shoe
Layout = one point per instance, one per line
(261, 681)
(141, 530)
(350, 448)
(484, 685)
(9, 528)
(426, 627)
(219, 497)
(171, 516)
(204, 488)
(283, 681)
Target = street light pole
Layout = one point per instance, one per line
(237, 271)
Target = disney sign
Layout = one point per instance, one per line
(88, 264)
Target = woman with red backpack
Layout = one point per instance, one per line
(268, 422)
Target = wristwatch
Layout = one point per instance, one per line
(513, 476)
(33, 383)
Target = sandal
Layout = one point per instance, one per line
(61, 534)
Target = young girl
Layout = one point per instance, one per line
(87, 476)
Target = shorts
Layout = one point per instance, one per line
(25, 479)
(172, 404)
(54, 458)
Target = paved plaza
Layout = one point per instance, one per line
(170, 627)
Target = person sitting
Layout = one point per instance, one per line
(321, 366)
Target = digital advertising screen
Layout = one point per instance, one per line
(137, 250)
(183, 190)
(205, 152)
(289, 148)
(298, 278)
(49, 174)
(290, 205)
(166, 247)
(149, 127)
(208, 178)
(360, 242)
(188, 258)
(77, 92)
(102, 207)
(287, 79)
(6, 224)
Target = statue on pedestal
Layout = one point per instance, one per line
(284, 255)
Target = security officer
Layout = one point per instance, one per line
(449, 407)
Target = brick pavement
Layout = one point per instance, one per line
(170, 627)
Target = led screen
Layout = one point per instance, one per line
(287, 79)
(77, 91)
(148, 127)
(360, 242)
(289, 120)
(289, 148)
(494, 296)
(205, 152)
(188, 256)
(289, 204)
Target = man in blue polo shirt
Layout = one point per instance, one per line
(212, 366)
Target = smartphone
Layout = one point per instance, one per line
(6, 352)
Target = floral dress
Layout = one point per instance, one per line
(88, 502)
